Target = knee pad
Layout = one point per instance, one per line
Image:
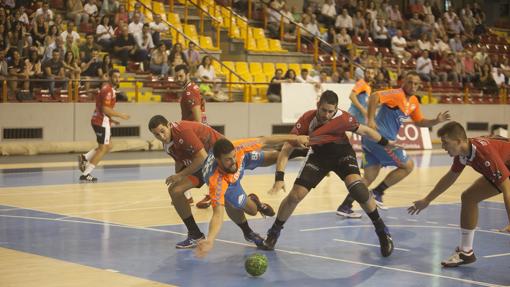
(359, 191)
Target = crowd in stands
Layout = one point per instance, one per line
(440, 45)
(82, 39)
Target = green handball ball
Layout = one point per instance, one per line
(256, 264)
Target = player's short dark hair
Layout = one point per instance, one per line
(113, 71)
(452, 130)
(412, 73)
(181, 67)
(157, 120)
(222, 146)
(329, 97)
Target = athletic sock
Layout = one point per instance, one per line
(467, 237)
(348, 201)
(380, 188)
(377, 221)
(245, 228)
(193, 229)
(90, 167)
(88, 156)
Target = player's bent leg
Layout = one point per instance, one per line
(238, 217)
(480, 190)
(179, 199)
(255, 203)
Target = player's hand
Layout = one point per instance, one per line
(443, 117)
(203, 248)
(302, 141)
(124, 116)
(114, 122)
(418, 206)
(506, 229)
(372, 124)
(172, 180)
(277, 186)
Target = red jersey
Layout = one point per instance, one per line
(190, 99)
(188, 138)
(105, 98)
(331, 132)
(489, 156)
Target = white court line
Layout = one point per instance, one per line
(368, 244)
(497, 255)
(399, 225)
(283, 251)
(431, 222)
(392, 217)
(412, 220)
(454, 225)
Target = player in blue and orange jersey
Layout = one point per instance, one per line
(188, 143)
(223, 171)
(396, 105)
(101, 123)
(330, 151)
(489, 156)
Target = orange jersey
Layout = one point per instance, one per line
(219, 181)
(105, 98)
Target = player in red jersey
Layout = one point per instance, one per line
(192, 103)
(101, 123)
(189, 143)
(330, 151)
(491, 158)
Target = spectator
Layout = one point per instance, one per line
(394, 15)
(424, 67)
(137, 11)
(121, 15)
(87, 47)
(424, 43)
(71, 46)
(92, 70)
(290, 76)
(209, 85)
(399, 45)
(46, 12)
(328, 13)
(76, 13)
(40, 29)
(481, 56)
(106, 66)
(105, 33)
(125, 46)
(486, 82)
(159, 61)
(344, 21)
(498, 77)
(157, 27)
(136, 26)
(441, 48)
(469, 67)
(415, 25)
(32, 68)
(304, 77)
(71, 69)
(455, 27)
(456, 44)
(359, 25)
(70, 31)
(344, 42)
(372, 10)
(380, 33)
(449, 68)
(54, 70)
(144, 44)
(109, 8)
(311, 30)
(15, 70)
(91, 9)
(274, 91)
(192, 57)
(176, 57)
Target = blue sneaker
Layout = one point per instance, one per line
(385, 242)
(254, 237)
(272, 236)
(379, 200)
(189, 242)
(347, 212)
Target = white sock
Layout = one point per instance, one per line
(90, 167)
(467, 237)
(187, 193)
(90, 154)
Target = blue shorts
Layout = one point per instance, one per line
(376, 154)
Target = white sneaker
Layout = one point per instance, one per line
(347, 212)
(459, 257)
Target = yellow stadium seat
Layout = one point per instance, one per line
(122, 69)
(268, 69)
(218, 68)
(242, 68)
(158, 7)
(252, 45)
(190, 30)
(262, 45)
(173, 18)
(258, 33)
(295, 67)
(206, 43)
(130, 96)
(275, 46)
(256, 68)
(230, 65)
(126, 85)
(235, 34)
(282, 66)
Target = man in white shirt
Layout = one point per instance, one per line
(344, 20)
(328, 13)
(304, 77)
(135, 27)
(157, 27)
(398, 46)
(70, 31)
(424, 67)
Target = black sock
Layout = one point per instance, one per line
(245, 227)
(377, 220)
(381, 188)
(348, 201)
(278, 224)
(193, 229)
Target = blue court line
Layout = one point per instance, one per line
(55, 176)
(303, 258)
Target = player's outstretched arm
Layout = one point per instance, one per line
(281, 163)
(373, 101)
(441, 117)
(298, 140)
(375, 136)
(112, 113)
(196, 163)
(505, 189)
(441, 186)
(204, 246)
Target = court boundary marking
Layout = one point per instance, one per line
(479, 283)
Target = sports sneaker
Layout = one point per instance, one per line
(264, 208)
(385, 242)
(254, 237)
(205, 202)
(87, 178)
(379, 200)
(346, 211)
(272, 236)
(82, 162)
(459, 257)
(189, 242)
